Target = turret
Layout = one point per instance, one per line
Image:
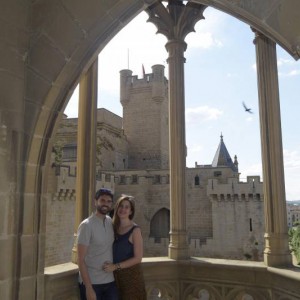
(145, 118)
(125, 85)
(159, 83)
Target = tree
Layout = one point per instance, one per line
(294, 239)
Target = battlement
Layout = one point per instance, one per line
(204, 247)
(154, 83)
(234, 189)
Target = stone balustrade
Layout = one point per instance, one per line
(196, 278)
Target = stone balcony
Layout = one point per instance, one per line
(197, 278)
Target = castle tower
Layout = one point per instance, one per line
(222, 157)
(145, 118)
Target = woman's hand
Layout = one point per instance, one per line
(108, 267)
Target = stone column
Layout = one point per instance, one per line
(178, 248)
(276, 251)
(175, 21)
(86, 147)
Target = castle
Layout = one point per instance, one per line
(225, 215)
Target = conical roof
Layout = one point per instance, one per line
(222, 157)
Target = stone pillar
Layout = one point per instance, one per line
(175, 21)
(86, 147)
(178, 248)
(276, 251)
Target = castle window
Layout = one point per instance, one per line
(69, 152)
(134, 179)
(197, 180)
(160, 225)
(122, 179)
(168, 179)
(157, 179)
(250, 224)
(107, 177)
(217, 173)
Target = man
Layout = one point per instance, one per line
(94, 248)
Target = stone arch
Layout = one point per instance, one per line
(160, 224)
(162, 291)
(56, 83)
(53, 91)
(246, 294)
(202, 292)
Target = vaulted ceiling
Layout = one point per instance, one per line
(278, 19)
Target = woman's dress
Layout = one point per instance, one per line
(130, 281)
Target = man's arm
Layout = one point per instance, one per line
(81, 252)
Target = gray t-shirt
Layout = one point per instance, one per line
(98, 236)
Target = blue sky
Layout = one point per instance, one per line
(220, 74)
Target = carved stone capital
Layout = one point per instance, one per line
(175, 20)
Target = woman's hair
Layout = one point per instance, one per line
(116, 219)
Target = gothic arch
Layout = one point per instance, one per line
(56, 84)
(200, 291)
(160, 224)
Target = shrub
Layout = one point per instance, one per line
(294, 239)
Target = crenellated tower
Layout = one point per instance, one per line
(145, 118)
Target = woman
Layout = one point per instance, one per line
(127, 252)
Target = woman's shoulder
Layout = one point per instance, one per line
(135, 226)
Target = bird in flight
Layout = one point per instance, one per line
(247, 109)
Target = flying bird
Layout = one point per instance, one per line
(247, 109)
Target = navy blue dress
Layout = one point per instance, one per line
(122, 247)
(130, 281)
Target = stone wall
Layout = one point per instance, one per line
(213, 222)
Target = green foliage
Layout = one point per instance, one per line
(294, 239)
(57, 149)
(102, 143)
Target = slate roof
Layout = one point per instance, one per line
(222, 157)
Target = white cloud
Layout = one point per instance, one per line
(202, 114)
(291, 159)
(289, 73)
(196, 148)
(203, 40)
(230, 75)
(291, 172)
(135, 45)
(252, 170)
(72, 108)
(285, 61)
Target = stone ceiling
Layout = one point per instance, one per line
(278, 19)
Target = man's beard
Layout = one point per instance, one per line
(103, 209)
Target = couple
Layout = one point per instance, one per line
(110, 252)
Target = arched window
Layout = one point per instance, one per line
(197, 180)
(160, 225)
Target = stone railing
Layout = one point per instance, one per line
(197, 278)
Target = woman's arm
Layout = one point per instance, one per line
(137, 241)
